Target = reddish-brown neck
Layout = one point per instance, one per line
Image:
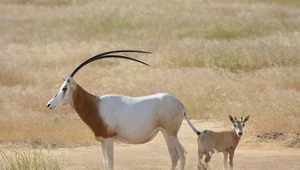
(88, 108)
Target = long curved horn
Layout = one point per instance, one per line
(104, 55)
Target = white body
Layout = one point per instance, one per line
(133, 117)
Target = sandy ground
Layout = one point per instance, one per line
(154, 155)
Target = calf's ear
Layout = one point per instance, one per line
(231, 119)
(246, 119)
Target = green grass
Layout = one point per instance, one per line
(47, 2)
(238, 30)
(125, 27)
(286, 3)
(228, 30)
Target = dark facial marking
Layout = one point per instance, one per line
(64, 91)
(65, 88)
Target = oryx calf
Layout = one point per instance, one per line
(225, 141)
(133, 120)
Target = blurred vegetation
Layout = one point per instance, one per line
(218, 57)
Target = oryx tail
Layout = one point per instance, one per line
(191, 125)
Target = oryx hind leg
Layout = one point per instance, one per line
(171, 143)
(200, 157)
(182, 153)
(170, 130)
(176, 151)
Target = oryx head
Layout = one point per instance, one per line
(238, 125)
(64, 95)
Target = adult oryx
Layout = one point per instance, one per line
(133, 120)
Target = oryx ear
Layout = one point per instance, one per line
(246, 119)
(63, 78)
(231, 119)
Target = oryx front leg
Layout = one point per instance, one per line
(108, 153)
(225, 154)
(104, 154)
(231, 159)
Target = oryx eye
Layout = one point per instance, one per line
(65, 88)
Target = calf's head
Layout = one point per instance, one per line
(238, 125)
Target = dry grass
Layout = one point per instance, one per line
(218, 57)
(28, 160)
